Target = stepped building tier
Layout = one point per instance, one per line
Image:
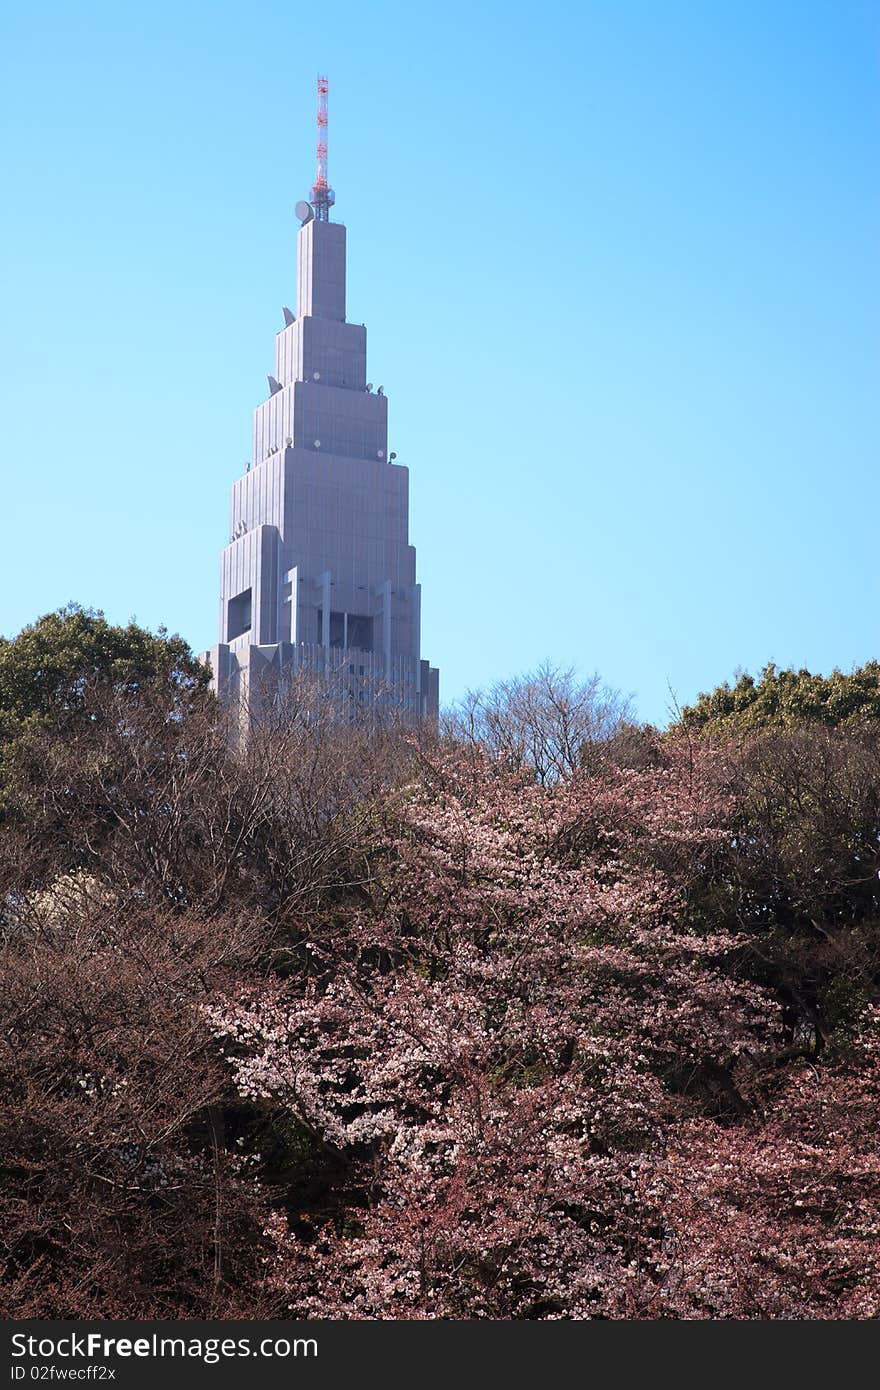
(319, 574)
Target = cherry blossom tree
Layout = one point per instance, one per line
(495, 1043)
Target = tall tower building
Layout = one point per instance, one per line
(319, 574)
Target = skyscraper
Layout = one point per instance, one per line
(319, 574)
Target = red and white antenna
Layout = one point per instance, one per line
(323, 197)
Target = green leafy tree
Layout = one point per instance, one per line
(782, 699)
(51, 670)
(68, 673)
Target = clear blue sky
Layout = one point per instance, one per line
(618, 264)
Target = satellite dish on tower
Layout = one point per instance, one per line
(303, 211)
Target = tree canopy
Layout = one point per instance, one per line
(54, 665)
(358, 1022)
(785, 698)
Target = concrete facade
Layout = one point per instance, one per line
(319, 574)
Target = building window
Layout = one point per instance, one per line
(238, 615)
(360, 632)
(348, 630)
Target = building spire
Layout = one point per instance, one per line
(323, 197)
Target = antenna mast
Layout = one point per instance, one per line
(323, 197)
